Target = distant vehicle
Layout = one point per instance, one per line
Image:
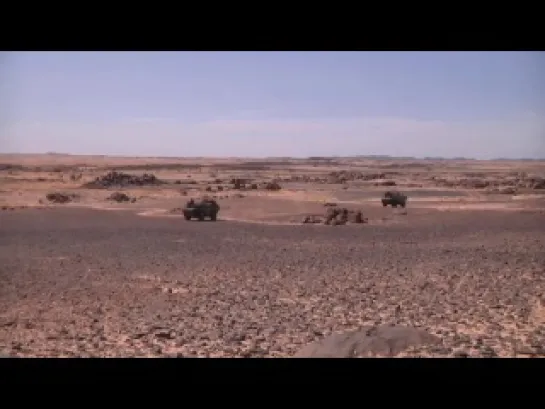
(394, 199)
(206, 208)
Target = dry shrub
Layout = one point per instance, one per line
(61, 198)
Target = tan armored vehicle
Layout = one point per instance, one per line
(394, 199)
(206, 208)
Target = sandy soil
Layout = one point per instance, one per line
(464, 263)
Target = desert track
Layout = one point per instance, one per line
(77, 282)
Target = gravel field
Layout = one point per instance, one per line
(77, 282)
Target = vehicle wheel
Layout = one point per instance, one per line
(394, 205)
(187, 217)
(384, 204)
(213, 217)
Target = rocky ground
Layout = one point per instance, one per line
(77, 282)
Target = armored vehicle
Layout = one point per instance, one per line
(394, 199)
(202, 209)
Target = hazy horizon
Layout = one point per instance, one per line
(259, 158)
(480, 105)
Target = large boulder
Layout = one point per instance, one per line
(385, 341)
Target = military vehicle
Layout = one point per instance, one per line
(394, 199)
(202, 209)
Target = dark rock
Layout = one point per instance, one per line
(337, 216)
(357, 217)
(488, 352)
(239, 183)
(165, 335)
(273, 186)
(121, 179)
(119, 197)
(441, 350)
(60, 197)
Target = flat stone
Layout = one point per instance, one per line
(368, 341)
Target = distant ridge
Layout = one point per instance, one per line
(278, 158)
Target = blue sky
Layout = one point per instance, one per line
(473, 104)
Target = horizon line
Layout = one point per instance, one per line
(311, 157)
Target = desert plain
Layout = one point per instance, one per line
(102, 264)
